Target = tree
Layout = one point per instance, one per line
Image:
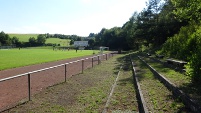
(32, 41)
(71, 42)
(91, 42)
(15, 41)
(79, 39)
(41, 39)
(4, 39)
(187, 9)
(91, 35)
(47, 35)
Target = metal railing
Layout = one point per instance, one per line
(65, 65)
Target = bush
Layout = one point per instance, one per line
(186, 45)
(194, 65)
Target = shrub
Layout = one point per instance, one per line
(186, 45)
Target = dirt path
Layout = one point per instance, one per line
(15, 90)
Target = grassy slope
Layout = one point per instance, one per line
(25, 38)
(62, 42)
(17, 58)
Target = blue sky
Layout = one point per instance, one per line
(79, 17)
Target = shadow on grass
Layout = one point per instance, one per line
(123, 82)
(192, 89)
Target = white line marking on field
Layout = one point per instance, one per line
(109, 97)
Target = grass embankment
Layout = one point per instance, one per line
(86, 93)
(17, 58)
(180, 80)
(157, 96)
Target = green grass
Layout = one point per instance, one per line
(25, 38)
(177, 78)
(17, 58)
(124, 95)
(82, 93)
(62, 42)
(157, 96)
(180, 80)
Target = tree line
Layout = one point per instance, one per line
(171, 26)
(6, 40)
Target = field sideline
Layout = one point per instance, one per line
(28, 56)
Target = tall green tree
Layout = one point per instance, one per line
(5, 39)
(32, 41)
(41, 39)
(16, 41)
(189, 10)
(91, 43)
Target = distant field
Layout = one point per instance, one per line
(62, 42)
(25, 38)
(17, 58)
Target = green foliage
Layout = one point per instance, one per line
(113, 38)
(15, 41)
(5, 39)
(194, 66)
(91, 42)
(176, 46)
(186, 45)
(41, 39)
(188, 9)
(32, 41)
(71, 42)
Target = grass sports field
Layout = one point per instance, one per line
(27, 56)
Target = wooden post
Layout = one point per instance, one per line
(29, 87)
(65, 72)
(92, 61)
(82, 66)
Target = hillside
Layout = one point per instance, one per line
(25, 38)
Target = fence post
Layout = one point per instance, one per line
(98, 60)
(82, 66)
(92, 61)
(65, 72)
(29, 87)
(106, 56)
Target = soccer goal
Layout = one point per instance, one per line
(103, 48)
